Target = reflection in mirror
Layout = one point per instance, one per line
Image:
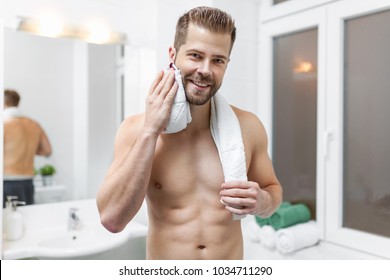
(74, 91)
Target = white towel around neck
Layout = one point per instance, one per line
(225, 130)
(12, 112)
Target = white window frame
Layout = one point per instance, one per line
(338, 13)
(329, 18)
(269, 11)
(292, 24)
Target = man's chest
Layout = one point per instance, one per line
(184, 167)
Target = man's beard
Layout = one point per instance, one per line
(195, 97)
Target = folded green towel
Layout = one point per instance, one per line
(289, 216)
(267, 221)
(262, 221)
(284, 204)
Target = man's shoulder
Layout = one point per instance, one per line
(252, 128)
(21, 120)
(128, 132)
(134, 119)
(246, 117)
(133, 124)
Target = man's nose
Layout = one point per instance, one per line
(204, 69)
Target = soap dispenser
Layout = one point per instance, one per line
(7, 210)
(8, 204)
(14, 222)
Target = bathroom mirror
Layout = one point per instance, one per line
(75, 91)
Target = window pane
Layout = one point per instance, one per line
(366, 198)
(295, 115)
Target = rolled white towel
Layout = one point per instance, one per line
(296, 237)
(267, 236)
(253, 230)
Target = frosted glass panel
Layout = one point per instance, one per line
(295, 115)
(366, 198)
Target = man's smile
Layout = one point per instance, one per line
(200, 84)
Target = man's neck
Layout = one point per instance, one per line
(200, 118)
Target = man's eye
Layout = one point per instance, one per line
(195, 55)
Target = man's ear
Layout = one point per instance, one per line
(172, 54)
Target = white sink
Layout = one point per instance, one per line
(77, 239)
(46, 235)
(61, 244)
(88, 241)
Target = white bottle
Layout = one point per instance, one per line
(7, 210)
(14, 222)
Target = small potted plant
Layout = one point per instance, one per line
(47, 171)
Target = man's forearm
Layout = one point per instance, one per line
(124, 189)
(274, 199)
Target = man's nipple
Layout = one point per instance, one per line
(158, 186)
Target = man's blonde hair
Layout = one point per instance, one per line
(209, 18)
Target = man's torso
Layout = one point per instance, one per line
(186, 218)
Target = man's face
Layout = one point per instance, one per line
(202, 60)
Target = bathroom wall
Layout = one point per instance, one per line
(240, 84)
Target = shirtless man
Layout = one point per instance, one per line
(180, 174)
(23, 139)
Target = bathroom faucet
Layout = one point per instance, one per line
(73, 219)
